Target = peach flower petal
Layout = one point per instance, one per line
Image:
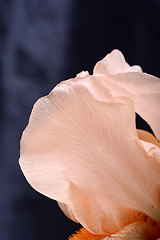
(151, 146)
(81, 148)
(142, 88)
(114, 63)
(82, 74)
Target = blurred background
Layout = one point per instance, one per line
(43, 42)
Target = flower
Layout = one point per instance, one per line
(81, 148)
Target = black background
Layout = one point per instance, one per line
(41, 43)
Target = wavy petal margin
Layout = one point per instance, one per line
(130, 81)
(114, 63)
(81, 148)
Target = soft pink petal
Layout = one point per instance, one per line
(82, 74)
(114, 63)
(143, 89)
(151, 146)
(81, 148)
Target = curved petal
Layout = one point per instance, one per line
(152, 148)
(154, 154)
(143, 89)
(114, 63)
(81, 148)
(125, 80)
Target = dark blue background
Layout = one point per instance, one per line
(41, 43)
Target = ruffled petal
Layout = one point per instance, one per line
(114, 63)
(81, 148)
(143, 89)
(82, 74)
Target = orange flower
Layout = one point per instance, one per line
(81, 148)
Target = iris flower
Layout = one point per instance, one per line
(82, 149)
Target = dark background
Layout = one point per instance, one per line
(41, 43)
